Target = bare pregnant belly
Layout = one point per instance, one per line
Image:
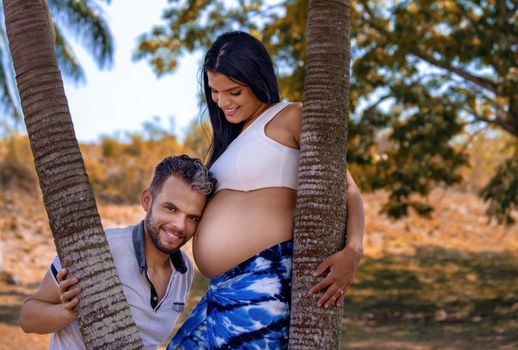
(237, 225)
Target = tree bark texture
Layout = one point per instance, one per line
(321, 212)
(103, 313)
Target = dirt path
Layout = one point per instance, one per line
(11, 297)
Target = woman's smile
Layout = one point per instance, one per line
(230, 112)
(234, 98)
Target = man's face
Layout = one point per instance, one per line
(173, 214)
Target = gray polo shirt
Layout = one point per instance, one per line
(154, 318)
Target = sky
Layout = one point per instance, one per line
(124, 97)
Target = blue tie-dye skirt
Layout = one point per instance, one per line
(247, 307)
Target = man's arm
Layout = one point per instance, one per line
(52, 306)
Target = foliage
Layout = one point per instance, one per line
(119, 169)
(502, 192)
(9, 100)
(16, 169)
(16, 175)
(426, 75)
(486, 152)
(81, 19)
(198, 139)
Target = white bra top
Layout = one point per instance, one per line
(254, 161)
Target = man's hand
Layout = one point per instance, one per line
(67, 293)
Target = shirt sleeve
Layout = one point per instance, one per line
(55, 267)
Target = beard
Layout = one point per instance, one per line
(153, 231)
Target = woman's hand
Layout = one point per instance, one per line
(341, 267)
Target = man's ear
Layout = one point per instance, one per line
(146, 198)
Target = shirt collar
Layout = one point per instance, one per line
(138, 243)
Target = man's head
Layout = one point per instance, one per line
(175, 200)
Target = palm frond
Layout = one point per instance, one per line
(84, 19)
(68, 63)
(9, 99)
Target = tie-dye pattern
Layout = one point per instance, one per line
(245, 308)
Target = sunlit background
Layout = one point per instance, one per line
(433, 145)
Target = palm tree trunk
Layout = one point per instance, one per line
(103, 314)
(320, 213)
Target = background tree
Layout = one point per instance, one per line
(120, 167)
(103, 314)
(426, 77)
(320, 212)
(198, 139)
(81, 19)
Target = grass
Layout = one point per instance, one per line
(434, 299)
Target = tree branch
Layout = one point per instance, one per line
(511, 12)
(375, 104)
(470, 140)
(461, 10)
(482, 82)
(501, 122)
(372, 17)
(507, 13)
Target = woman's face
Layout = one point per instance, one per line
(236, 100)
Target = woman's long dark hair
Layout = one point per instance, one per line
(242, 58)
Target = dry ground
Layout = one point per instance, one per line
(449, 282)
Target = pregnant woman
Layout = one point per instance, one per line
(244, 240)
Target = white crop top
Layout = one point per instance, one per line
(254, 161)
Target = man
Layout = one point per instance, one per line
(156, 276)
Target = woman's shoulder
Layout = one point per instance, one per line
(294, 109)
(293, 117)
(290, 114)
(286, 125)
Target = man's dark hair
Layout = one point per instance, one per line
(191, 170)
